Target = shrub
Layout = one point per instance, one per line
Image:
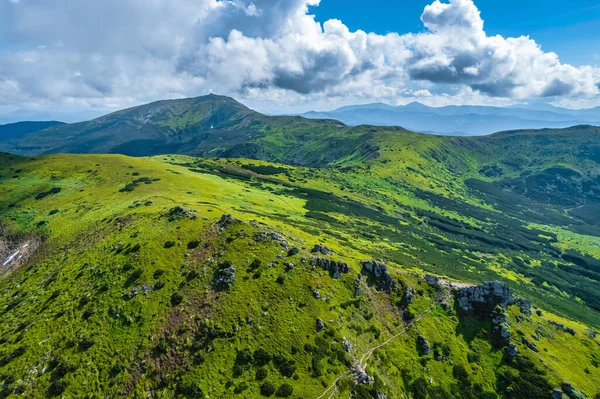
(255, 264)
(176, 299)
(262, 373)
(158, 273)
(461, 374)
(242, 386)
(267, 389)
(287, 369)
(419, 388)
(189, 389)
(193, 244)
(57, 388)
(43, 194)
(169, 244)
(86, 344)
(238, 370)
(243, 357)
(88, 313)
(473, 357)
(285, 390)
(261, 357)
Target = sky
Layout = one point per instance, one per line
(298, 55)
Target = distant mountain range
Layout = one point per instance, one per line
(465, 120)
(13, 131)
(212, 125)
(21, 115)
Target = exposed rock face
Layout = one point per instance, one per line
(321, 249)
(563, 327)
(511, 351)
(263, 236)
(360, 375)
(480, 300)
(347, 345)
(529, 344)
(225, 221)
(179, 212)
(293, 251)
(358, 286)
(557, 394)
(571, 392)
(432, 280)
(384, 281)
(279, 239)
(409, 295)
(423, 345)
(525, 307)
(320, 325)
(500, 327)
(224, 277)
(335, 268)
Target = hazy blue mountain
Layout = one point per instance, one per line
(20, 129)
(465, 120)
(45, 115)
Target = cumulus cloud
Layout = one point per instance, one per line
(119, 52)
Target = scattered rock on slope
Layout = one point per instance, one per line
(320, 325)
(423, 345)
(321, 249)
(225, 221)
(335, 268)
(224, 277)
(383, 279)
(571, 392)
(480, 300)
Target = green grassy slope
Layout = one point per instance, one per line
(203, 126)
(114, 294)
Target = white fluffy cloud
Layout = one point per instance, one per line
(118, 52)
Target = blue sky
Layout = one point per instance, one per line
(74, 55)
(570, 28)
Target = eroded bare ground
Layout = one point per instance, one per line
(14, 252)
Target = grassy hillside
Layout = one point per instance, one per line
(203, 126)
(336, 262)
(121, 286)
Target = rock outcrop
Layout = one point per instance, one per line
(225, 221)
(360, 375)
(501, 333)
(571, 392)
(335, 268)
(264, 236)
(320, 326)
(224, 277)
(479, 301)
(432, 280)
(383, 279)
(511, 351)
(179, 212)
(563, 327)
(423, 346)
(321, 249)
(529, 344)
